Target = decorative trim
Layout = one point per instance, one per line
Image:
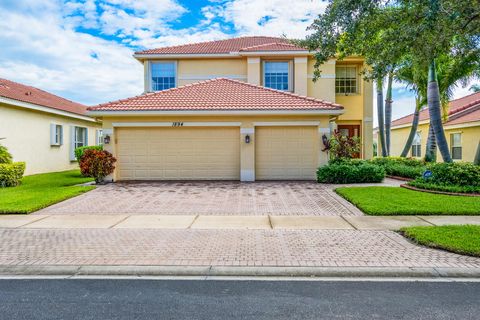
(286, 123)
(409, 124)
(253, 60)
(247, 175)
(300, 59)
(324, 130)
(213, 76)
(214, 112)
(176, 124)
(107, 131)
(32, 106)
(462, 125)
(247, 130)
(322, 76)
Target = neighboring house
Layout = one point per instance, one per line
(462, 130)
(238, 109)
(43, 129)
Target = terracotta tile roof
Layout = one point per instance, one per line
(219, 95)
(456, 108)
(227, 46)
(275, 46)
(24, 93)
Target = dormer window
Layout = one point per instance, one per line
(277, 75)
(162, 75)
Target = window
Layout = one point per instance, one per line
(80, 138)
(346, 79)
(162, 75)
(276, 75)
(456, 146)
(99, 137)
(56, 134)
(417, 146)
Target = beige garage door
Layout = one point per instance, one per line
(286, 153)
(178, 153)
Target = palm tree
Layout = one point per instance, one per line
(388, 112)
(415, 79)
(381, 128)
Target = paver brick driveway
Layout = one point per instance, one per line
(208, 198)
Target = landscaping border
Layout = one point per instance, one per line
(399, 178)
(406, 186)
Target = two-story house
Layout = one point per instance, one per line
(238, 109)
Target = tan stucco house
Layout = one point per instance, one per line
(462, 130)
(43, 129)
(237, 109)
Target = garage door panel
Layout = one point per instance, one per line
(178, 153)
(286, 153)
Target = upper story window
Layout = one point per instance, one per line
(456, 146)
(276, 75)
(417, 145)
(162, 75)
(346, 79)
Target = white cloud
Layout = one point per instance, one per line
(43, 53)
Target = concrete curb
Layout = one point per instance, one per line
(222, 271)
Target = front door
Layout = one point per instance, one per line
(350, 130)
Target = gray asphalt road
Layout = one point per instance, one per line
(182, 299)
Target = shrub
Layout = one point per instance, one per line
(5, 156)
(456, 173)
(11, 174)
(341, 146)
(358, 171)
(97, 164)
(79, 151)
(401, 167)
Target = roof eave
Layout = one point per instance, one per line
(99, 113)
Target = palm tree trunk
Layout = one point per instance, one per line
(431, 148)
(477, 156)
(433, 98)
(388, 112)
(413, 130)
(381, 128)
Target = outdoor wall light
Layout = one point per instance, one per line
(247, 139)
(106, 139)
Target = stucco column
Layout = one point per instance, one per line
(323, 129)
(301, 76)
(111, 147)
(247, 154)
(253, 70)
(367, 120)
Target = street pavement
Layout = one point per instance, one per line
(193, 299)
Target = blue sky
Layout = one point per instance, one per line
(82, 49)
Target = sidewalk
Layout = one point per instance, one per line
(209, 246)
(270, 222)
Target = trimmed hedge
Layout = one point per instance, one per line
(401, 167)
(354, 171)
(11, 174)
(79, 151)
(460, 177)
(456, 173)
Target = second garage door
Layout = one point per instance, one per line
(178, 153)
(286, 153)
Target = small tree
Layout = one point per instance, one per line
(97, 164)
(5, 156)
(343, 147)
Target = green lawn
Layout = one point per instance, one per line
(401, 201)
(42, 190)
(460, 239)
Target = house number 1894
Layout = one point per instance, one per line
(177, 124)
